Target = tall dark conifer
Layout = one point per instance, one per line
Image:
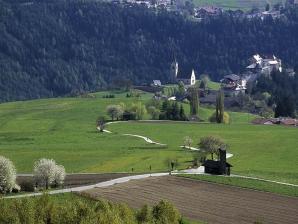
(194, 100)
(220, 107)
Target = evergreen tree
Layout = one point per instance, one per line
(175, 112)
(219, 113)
(194, 100)
(182, 113)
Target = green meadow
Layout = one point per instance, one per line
(64, 129)
(236, 4)
(269, 152)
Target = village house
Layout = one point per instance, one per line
(207, 11)
(264, 65)
(156, 83)
(233, 84)
(276, 121)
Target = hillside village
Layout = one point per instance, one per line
(234, 86)
(200, 13)
(135, 127)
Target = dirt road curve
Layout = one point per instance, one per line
(205, 201)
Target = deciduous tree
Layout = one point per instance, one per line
(7, 175)
(115, 111)
(211, 144)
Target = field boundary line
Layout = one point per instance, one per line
(87, 187)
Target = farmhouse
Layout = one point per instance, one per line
(264, 65)
(221, 167)
(156, 83)
(278, 121)
(233, 84)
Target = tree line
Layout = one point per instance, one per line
(65, 209)
(56, 48)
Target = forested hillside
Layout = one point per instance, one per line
(55, 48)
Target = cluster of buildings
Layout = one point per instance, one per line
(258, 65)
(199, 13)
(167, 4)
(174, 5)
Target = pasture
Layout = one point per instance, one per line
(64, 129)
(236, 4)
(259, 150)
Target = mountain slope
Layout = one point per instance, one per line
(68, 47)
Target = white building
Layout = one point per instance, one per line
(187, 77)
(264, 65)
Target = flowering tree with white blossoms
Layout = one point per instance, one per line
(59, 175)
(7, 175)
(46, 172)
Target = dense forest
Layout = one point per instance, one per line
(283, 91)
(55, 48)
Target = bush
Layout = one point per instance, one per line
(226, 118)
(7, 175)
(166, 213)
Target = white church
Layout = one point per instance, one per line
(188, 78)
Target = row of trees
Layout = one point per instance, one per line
(47, 209)
(93, 45)
(46, 173)
(172, 111)
(134, 111)
(165, 110)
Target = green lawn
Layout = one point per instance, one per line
(248, 183)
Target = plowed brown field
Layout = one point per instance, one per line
(204, 201)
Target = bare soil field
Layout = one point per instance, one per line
(75, 180)
(202, 201)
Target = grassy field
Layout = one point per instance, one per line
(248, 183)
(64, 129)
(214, 85)
(262, 151)
(236, 4)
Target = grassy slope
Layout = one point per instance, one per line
(248, 183)
(264, 151)
(214, 85)
(64, 129)
(236, 4)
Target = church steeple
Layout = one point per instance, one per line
(174, 71)
(193, 78)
